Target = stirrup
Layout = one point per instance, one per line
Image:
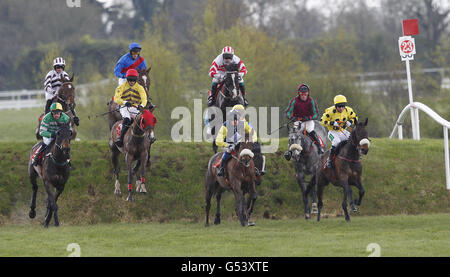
(221, 172)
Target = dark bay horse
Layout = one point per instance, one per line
(228, 95)
(306, 162)
(143, 80)
(66, 97)
(347, 169)
(240, 178)
(136, 148)
(54, 171)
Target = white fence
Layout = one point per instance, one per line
(445, 124)
(20, 99)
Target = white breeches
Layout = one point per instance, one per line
(337, 136)
(309, 125)
(46, 141)
(130, 112)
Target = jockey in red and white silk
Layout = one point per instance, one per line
(217, 72)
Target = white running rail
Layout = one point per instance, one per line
(445, 124)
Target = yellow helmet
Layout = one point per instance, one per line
(340, 99)
(238, 107)
(56, 107)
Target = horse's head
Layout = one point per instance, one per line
(144, 78)
(62, 141)
(360, 137)
(245, 153)
(66, 94)
(144, 121)
(232, 80)
(298, 143)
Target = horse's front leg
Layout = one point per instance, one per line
(55, 212)
(358, 183)
(129, 162)
(312, 189)
(143, 169)
(347, 193)
(251, 204)
(240, 203)
(33, 176)
(116, 166)
(50, 204)
(301, 182)
(218, 198)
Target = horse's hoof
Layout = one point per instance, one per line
(314, 209)
(129, 198)
(32, 214)
(354, 209)
(307, 216)
(216, 221)
(347, 219)
(142, 189)
(251, 223)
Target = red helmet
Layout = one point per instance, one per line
(132, 73)
(302, 88)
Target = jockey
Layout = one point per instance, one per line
(228, 135)
(303, 109)
(52, 81)
(49, 126)
(131, 60)
(217, 72)
(130, 95)
(336, 118)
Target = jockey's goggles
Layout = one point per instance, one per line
(227, 56)
(303, 89)
(132, 78)
(59, 66)
(135, 51)
(341, 105)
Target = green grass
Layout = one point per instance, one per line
(397, 236)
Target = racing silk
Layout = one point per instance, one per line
(126, 62)
(52, 81)
(135, 95)
(307, 110)
(226, 136)
(331, 115)
(217, 69)
(49, 125)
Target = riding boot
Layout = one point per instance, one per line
(47, 106)
(41, 149)
(225, 158)
(330, 157)
(242, 88)
(316, 140)
(125, 125)
(288, 155)
(213, 93)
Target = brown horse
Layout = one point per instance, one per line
(54, 171)
(65, 96)
(347, 169)
(143, 80)
(136, 147)
(240, 178)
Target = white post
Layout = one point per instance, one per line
(413, 117)
(400, 131)
(447, 161)
(416, 112)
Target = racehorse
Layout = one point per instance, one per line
(136, 147)
(143, 80)
(54, 170)
(228, 94)
(347, 168)
(240, 178)
(306, 162)
(66, 97)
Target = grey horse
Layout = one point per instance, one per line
(306, 162)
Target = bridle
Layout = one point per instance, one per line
(63, 100)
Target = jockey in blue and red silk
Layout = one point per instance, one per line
(131, 60)
(303, 109)
(217, 72)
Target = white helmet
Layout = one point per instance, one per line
(228, 50)
(59, 61)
